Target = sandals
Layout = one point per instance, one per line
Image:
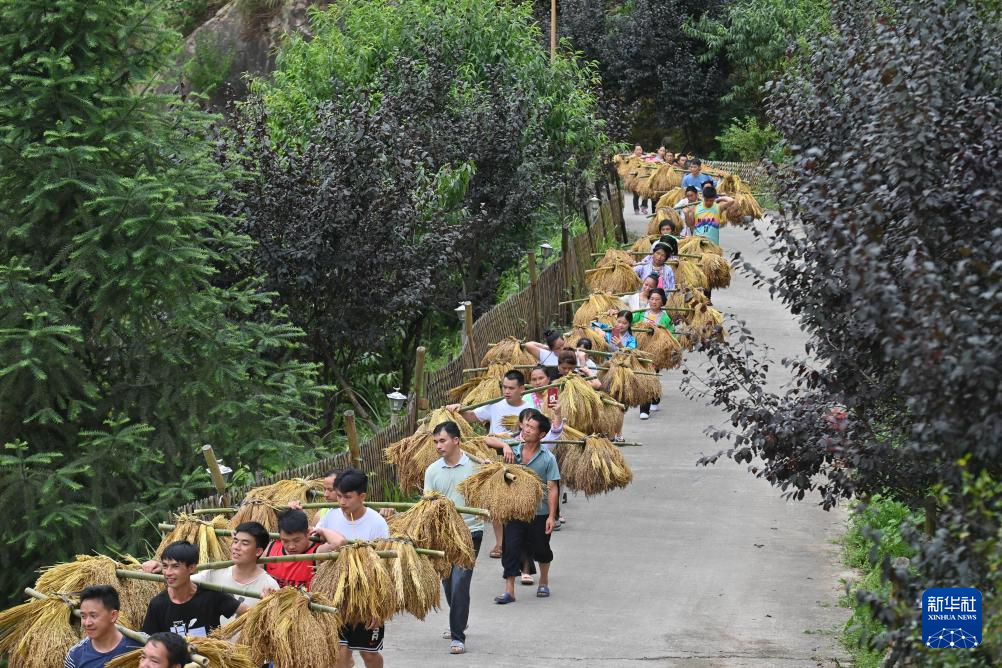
(496, 552)
(543, 592)
(527, 580)
(506, 598)
(457, 647)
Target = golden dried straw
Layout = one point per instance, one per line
(260, 503)
(623, 384)
(507, 351)
(661, 346)
(282, 628)
(688, 274)
(609, 422)
(220, 653)
(707, 322)
(612, 256)
(488, 382)
(358, 583)
(598, 341)
(597, 304)
(618, 277)
(201, 534)
(37, 634)
(667, 201)
(717, 270)
(652, 384)
(665, 213)
(418, 587)
(506, 499)
(698, 245)
(580, 404)
(594, 468)
(434, 523)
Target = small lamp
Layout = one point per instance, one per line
(460, 312)
(225, 470)
(594, 206)
(545, 250)
(397, 400)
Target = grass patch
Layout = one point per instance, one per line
(886, 516)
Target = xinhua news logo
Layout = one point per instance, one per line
(951, 618)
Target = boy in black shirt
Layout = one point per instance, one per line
(185, 608)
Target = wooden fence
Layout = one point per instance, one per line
(512, 317)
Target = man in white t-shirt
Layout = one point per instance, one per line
(249, 542)
(512, 388)
(353, 521)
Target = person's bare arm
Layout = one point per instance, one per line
(552, 494)
(724, 202)
(332, 540)
(535, 348)
(498, 444)
(469, 416)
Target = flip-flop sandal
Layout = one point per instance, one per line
(543, 592)
(505, 599)
(528, 581)
(457, 647)
(496, 553)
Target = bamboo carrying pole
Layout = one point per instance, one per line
(287, 558)
(619, 444)
(415, 405)
(217, 475)
(197, 660)
(274, 536)
(396, 505)
(510, 477)
(211, 586)
(645, 253)
(463, 409)
(352, 433)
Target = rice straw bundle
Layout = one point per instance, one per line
(507, 500)
(624, 385)
(732, 184)
(596, 467)
(614, 255)
(598, 303)
(417, 585)
(661, 346)
(642, 182)
(507, 351)
(580, 404)
(494, 372)
(477, 446)
(708, 323)
(259, 505)
(745, 205)
(253, 510)
(598, 341)
(410, 457)
(717, 270)
(664, 179)
(651, 384)
(628, 171)
(698, 244)
(489, 386)
(667, 201)
(434, 523)
(86, 571)
(610, 420)
(282, 628)
(684, 298)
(358, 584)
(201, 534)
(643, 244)
(618, 277)
(37, 634)
(440, 415)
(688, 274)
(220, 653)
(660, 215)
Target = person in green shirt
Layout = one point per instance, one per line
(656, 316)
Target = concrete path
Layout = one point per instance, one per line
(688, 566)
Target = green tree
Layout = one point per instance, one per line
(121, 349)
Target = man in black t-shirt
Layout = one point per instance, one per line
(185, 608)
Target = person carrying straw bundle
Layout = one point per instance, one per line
(354, 521)
(184, 607)
(99, 610)
(656, 265)
(294, 538)
(511, 403)
(444, 476)
(531, 538)
(619, 335)
(165, 650)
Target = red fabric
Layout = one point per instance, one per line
(293, 573)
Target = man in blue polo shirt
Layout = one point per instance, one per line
(696, 177)
(530, 539)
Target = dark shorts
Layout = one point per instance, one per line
(525, 540)
(361, 639)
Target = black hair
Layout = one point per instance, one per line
(567, 357)
(666, 223)
(526, 412)
(293, 521)
(583, 342)
(334, 473)
(182, 552)
(696, 161)
(516, 376)
(255, 529)
(660, 291)
(628, 316)
(352, 480)
(692, 189)
(176, 646)
(449, 427)
(541, 421)
(710, 191)
(551, 336)
(107, 594)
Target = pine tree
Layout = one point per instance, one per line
(122, 348)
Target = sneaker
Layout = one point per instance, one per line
(556, 526)
(644, 416)
(655, 408)
(565, 497)
(643, 209)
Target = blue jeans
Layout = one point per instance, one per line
(457, 594)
